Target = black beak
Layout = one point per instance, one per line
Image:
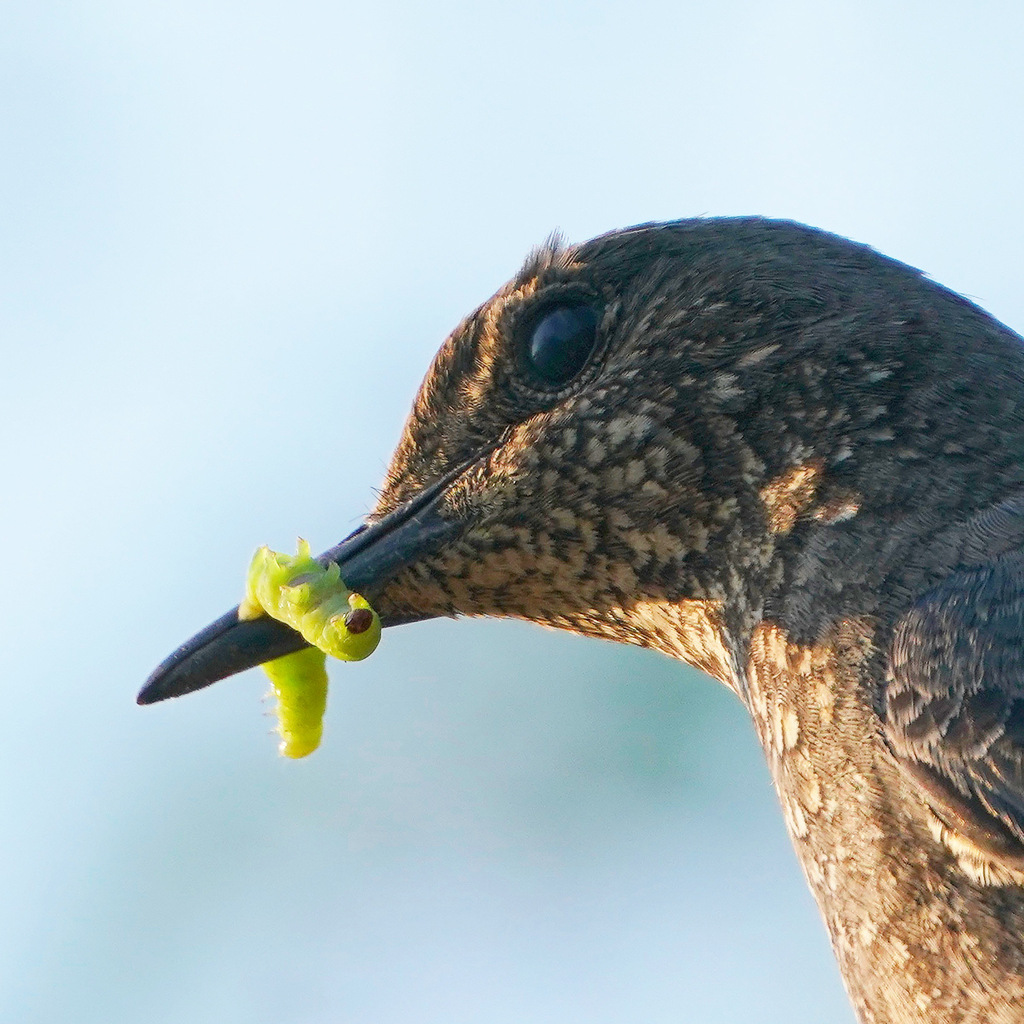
(368, 559)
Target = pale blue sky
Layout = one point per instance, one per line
(231, 237)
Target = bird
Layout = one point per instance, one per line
(791, 462)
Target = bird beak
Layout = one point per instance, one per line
(368, 559)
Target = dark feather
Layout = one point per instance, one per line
(955, 689)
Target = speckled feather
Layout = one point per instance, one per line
(786, 452)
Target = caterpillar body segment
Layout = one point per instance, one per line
(300, 684)
(313, 600)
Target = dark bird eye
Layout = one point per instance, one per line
(560, 342)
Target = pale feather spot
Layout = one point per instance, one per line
(614, 479)
(513, 567)
(563, 518)
(595, 452)
(724, 386)
(775, 728)
(826, 702)
(789, 494)
(549, 565)
(838, 510)
(697, 539)
(525, 537)
(790, 729)
(620, 520)
(588, 534)
(811, 795)
(685, 452)
(757, 356)
(664, 544)
(617, 430)
(656, 460)
(623, 577)
(628, 428)
(636, 470)
(726, 510)
(815, 873)
(800, 660)
(652, 489)
(795, 819)
(639, 544)
(550, 479)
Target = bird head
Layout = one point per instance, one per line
(635, 438)
(588, 420)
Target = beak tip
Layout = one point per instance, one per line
(225, 647)
(150, 692)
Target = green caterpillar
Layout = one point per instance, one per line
(297, 590)
(300, 684)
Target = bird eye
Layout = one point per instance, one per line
(560, 342)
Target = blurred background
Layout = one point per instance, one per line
(231, 237)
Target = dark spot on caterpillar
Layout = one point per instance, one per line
(359, 620)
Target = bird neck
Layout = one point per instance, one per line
(916, 939)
